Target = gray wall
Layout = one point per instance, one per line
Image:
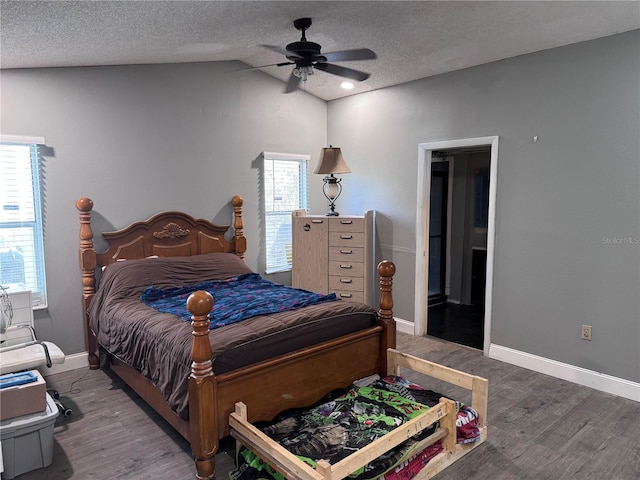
(141, 139)
(568, 206)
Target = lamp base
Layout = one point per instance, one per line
(331, 189)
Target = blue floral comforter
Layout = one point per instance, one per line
(234, 299)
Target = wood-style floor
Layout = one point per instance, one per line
(540, 428)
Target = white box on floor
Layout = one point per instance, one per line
(27, 441)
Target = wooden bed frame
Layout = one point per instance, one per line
(297, 379)
(445, 412)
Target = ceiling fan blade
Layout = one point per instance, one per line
(281, 51)
(342, 71)
(281, 64)
(292, 84)
(346, 55)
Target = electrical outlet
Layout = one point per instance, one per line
(586, 332)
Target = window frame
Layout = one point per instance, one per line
(268, 237)
(35, 144)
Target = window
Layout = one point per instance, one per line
(285, 190)
(21, 240)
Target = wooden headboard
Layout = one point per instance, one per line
(166, 234)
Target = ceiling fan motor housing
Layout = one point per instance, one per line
(309, 51)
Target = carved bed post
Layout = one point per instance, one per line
(203, 417)
(238, 227)
(88, 270)
(386, 270)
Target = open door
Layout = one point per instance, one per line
(438, 232)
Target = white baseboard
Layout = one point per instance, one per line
(582, 376)
(71, 362)
(404, 326)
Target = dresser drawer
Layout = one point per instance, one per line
(346, 254)
(346, 225)
(351, 284)
(352, 296)
(346, 239)
(346, 268)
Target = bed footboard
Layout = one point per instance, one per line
(212, 399)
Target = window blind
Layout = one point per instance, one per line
(285, 190)
(21, 233)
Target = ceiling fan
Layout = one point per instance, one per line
(307, 56)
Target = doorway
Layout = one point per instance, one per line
(461, 244)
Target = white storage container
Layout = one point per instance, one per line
(27, 441)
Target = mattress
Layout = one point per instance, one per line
(159, 344)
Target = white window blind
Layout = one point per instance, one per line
(21, 240)
(285, 190)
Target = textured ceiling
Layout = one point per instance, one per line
(412, 39)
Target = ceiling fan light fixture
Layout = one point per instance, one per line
(347, 85)
(303, 72)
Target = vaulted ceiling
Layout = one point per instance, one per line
(412, 40)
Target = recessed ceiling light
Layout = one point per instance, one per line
(347, 85)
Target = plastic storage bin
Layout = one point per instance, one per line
(27, 441)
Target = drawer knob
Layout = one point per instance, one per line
(317, 221)
(346, 222)
(346, 295)
(346, 252)
(346, 266)
(345, 280)
(346, 237)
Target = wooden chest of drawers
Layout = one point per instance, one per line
(334, 254)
